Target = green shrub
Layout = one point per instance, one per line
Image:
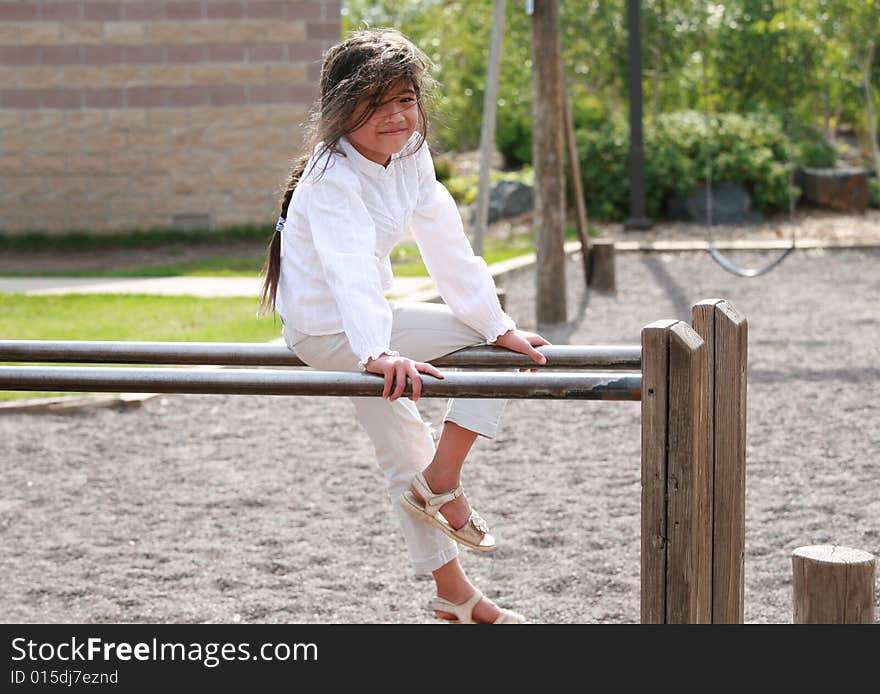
(513, 137)
(752, 150)
(443, 168)
(874, 192)
(465, 188)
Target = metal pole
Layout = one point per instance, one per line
(567, 386)
(257, 354)
(487, 132)
(637, 219)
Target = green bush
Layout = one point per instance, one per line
(513, 138)
(752, 150)
(874, 192)
(443, 168)
(813, 150)
(465, 188)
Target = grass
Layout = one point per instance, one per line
(212, 266)
(130, 317)
(83, 241)
(405, 259)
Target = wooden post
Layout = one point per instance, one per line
(725, 332)
(655, 409)
(676, 478)
(577, 183)
(548, 157)
(600, 266)
(689, 522)
(833, 585)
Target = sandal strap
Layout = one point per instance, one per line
(434, 500)
(463, 611)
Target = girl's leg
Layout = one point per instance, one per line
(425, 331)
(402, 442)
(444, 470)
(404, 445)
(453, 584)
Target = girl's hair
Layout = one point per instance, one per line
(362, 67)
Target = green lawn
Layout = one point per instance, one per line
(130, 317)
(405, 258)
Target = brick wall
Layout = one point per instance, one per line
(138, 114)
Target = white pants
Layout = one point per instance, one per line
(403, 442)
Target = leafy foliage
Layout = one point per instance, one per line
(800, 64)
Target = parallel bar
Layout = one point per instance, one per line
(548, 385)
(257, 354)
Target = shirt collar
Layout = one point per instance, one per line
(364, 165)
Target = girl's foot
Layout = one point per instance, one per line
(485, 611)
(456, 512)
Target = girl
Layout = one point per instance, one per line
(366, 176)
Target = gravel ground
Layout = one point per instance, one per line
(271, 510)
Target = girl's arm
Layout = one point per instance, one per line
(462, 278)
(345, 240)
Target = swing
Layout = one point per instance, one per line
(713, 251)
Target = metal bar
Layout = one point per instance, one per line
(550, 385)
(258, 354)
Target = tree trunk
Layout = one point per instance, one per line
(548, 130)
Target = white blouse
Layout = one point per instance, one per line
(341, 226)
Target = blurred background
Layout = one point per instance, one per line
(185, 115)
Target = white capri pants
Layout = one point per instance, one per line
(403, 442)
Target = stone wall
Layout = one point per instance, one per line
(139, 114)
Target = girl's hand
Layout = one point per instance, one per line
(524, 343)
(395, 370)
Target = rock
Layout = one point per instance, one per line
(509, 199)
(845, 190)
(731, 204)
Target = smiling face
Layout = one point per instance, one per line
(389, 128)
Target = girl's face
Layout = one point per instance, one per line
(388, 130)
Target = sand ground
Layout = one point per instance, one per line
(270, 509)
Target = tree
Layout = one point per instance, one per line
(548, 158)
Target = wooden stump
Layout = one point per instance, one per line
(600, 268)
(833, 585)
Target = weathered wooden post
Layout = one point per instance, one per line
(676, 562)
(833, 585)
(725, 332)
(600, 266)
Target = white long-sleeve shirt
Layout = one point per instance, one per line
(341, 226)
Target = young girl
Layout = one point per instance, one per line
(365, 178)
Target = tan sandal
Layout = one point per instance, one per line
(473, 534)
(464, 612)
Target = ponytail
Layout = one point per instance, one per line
(272, 266)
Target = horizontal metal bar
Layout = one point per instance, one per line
(257, 354)
(548, 385)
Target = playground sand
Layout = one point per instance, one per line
(270, 509)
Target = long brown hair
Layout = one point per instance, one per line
(362, 67)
